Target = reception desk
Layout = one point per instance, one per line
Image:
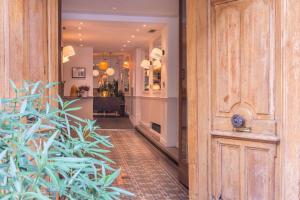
(104, 105)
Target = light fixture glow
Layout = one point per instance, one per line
(126, 64)
(157, 64)
(65, 59)
(68, 51)
(156, 87)
(96, 73)
(132, 36)
(103, 65)
(110, 71)
(146, 64)
(157, 53)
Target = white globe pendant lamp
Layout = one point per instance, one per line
(157, 53)
(156, 64)
(96, 73)
(146, 64)
(110, 71)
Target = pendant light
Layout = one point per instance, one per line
(126, 63)
(157, 53)
(110, 71)
(146, 64)
(96, 72)
(156, 64)
(67, 52)
(103, 65)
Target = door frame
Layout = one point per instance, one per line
(198, 96)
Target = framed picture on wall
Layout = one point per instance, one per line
(78, 72)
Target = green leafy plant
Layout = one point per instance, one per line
(45, 155)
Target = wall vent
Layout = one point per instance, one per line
(156, 127)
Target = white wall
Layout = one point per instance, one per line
(158, 106)
(83, 58)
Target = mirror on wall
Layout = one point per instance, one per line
(146, 80)
(125, 79)
(157, 65)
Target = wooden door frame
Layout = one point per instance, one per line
(198, 97)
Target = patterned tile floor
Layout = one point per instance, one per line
(145, 171)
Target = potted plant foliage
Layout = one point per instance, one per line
(43, 156)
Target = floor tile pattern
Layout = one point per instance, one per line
(144, 171)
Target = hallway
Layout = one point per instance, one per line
(145, 171)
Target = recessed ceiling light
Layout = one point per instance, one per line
(79, 28)
(137, 30)
(81, 45)
(128, 41)
(132, 36)
(80, 39)
(81, 23)
(144, 25)
(80, 34)
(114, 8)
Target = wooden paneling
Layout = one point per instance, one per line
(243, 170)
(2, 52)
(28, 41)
(243, 64)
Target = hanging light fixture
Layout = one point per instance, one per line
(110, 71)
(146, 64)
(157, 53)
(126, 63)
(65, 59)
(96, 72)
(156, 64)
(103, 65)
(67, 52)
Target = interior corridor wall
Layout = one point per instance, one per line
(159, 107)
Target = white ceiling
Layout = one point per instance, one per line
(159, 8)
(110, 36)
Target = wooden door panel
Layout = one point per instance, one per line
(257, 57)
(228, 57)
(243, 170)
(243, 67)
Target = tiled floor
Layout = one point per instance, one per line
(145, 171)
(114, 122)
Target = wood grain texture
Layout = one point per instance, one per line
(28, 42)
(243, 65)
(192, 93)
(290, 146)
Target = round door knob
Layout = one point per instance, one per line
(237, 121)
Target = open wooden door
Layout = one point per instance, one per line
(235, 99)
(244, 98)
